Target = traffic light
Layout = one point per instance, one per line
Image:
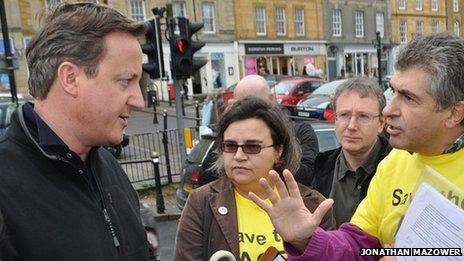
(153, 48)
(183, 63)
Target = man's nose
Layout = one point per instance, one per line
(136, 98)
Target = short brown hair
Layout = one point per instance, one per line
(74, 33)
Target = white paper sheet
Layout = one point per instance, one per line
(432, 221)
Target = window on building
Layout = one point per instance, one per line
(457, 28)
(137, 10)
(379, 24)
(208, 17)
(299, 22)
(51, 3)
(403, 32)
(456, 5)
(260, 16)
(435, 27)
(178, 9)
(359, 23)
(402, 4)
(434, 5)
(419, 5)
(280, 21)
(337, 22)
(419, 28)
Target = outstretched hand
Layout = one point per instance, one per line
(291, 219)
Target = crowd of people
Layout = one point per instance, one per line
(63, 197)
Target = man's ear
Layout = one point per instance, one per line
(457, 115)
(67, 78)
(382, 123)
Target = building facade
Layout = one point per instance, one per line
(350, 28)
(280, 37)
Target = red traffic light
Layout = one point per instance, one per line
(181, 45)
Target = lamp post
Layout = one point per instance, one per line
(377, 44)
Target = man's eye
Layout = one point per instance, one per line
(363, 116)
(125, 81)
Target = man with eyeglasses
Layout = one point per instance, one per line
(344, 174)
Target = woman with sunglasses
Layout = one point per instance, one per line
(255, 137)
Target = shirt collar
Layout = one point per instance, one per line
(46, 136)
(368, 166)
(457, 145)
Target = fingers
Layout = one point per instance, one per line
(258, 201)
(322, 209)
(281, 188)
(292, 186)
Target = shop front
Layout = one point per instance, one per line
(289, 58)
(347, 61)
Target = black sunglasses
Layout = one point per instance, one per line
(231, 147)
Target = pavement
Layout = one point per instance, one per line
(171, 212)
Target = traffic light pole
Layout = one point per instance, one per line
(180, 119)
(8, 54)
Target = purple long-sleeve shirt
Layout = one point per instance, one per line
(341, 244)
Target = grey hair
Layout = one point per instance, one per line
(282, 131)
(441, 56)
(365, 87)
(73, 33)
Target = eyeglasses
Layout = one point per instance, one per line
(232, 147)
(361, 118)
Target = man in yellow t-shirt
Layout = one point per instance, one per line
(425, 121)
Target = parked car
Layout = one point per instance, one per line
(147, 215)
(6, 109)
(271, 79)
(314, 105)
(116, 150)
(194, 171)
(290, 91)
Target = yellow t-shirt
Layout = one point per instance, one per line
(255, 230)
(394, 185)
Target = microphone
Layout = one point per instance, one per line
(222, 255)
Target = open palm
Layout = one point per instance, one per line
(291, 219)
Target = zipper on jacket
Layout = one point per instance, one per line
(110, 225)
(104, 210)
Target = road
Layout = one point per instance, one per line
(142, 121)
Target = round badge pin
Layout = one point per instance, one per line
(223, 210)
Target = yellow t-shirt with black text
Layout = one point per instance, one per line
(255, 230)
(393, 186)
